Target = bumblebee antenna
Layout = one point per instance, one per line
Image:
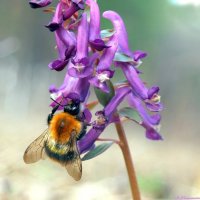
(58, 104)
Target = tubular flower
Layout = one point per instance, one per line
(57, 19)
(75, 6)
(39, 4)
(149, 122)
(104, 118)
(129, 68)
(71, 87)
(94, 36)
(82, 65)
(66, 46)
(120, 28)
(103, 69)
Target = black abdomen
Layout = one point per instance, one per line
(59, 154)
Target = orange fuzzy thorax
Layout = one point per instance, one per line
(62, 125)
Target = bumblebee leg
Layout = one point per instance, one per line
(83, 132)
(50, 116)
(79, 118)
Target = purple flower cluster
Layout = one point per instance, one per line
(90, 57)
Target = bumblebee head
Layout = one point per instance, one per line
(72, 108)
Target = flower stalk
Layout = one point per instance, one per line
(128, 160)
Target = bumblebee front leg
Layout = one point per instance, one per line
(50, 116)
(83, 132)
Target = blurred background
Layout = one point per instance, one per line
(170, 32)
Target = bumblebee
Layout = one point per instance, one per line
(59, 141)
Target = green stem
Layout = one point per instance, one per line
(128, 161)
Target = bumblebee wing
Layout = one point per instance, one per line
(73, 164)
(35, 151)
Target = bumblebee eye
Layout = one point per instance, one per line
(72, 108)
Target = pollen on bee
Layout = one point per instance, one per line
(62, 125)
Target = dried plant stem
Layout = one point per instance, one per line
(128, 161)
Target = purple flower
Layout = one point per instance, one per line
(75, 6)
(149, 122)
(87, 142)
(153, 102)
(123, 46)
(103, 70)
(66, 46)
(129, 68)
(104, 118)
(82, 65)
(134, 80)
(40, 3)
(120, 94)
(58, 17)
(94, 37)
(120, 28)
(100, 78)
(73, 88)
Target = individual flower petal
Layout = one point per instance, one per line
(154, 107)
(152, 91)
(66, 46)
(96, 83)
(98, 44)
(153, 102)
(87, 115)
(82, 65)
(103, 70)
(94, 20)
(75, 6)
(106, 59)
(99, 80)
(80, 69)
(94, 37)
(53, 89)
(39, 4)
(71, 85)
(58, 65)
(82, 38)
(58, 17)
(137, 104)
(120, 28)
(98, 127)
(66, 42)
(120, 94)
(148, 122)
(80, 3)
(137, 55)
(89, 139)
(152, 134)
(134, 80)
